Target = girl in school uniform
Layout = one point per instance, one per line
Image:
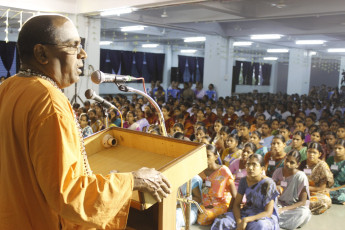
(337, 165)
(260, 210)
(293, 186)
(218, 189)
(320, 178)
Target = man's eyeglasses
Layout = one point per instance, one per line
(76, 48)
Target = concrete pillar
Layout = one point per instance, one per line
(218, 61)
(299, 72)
(167, 66)
(274, 77)
(341, 70)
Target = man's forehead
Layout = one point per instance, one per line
(66, 32)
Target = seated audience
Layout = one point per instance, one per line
(260, 210)
(221, 144)
(285, 132)
(211, 92)
(294, 193)
(95, 123)
(232, 151)
(130, 122)
(86, 130)
(266, 135)
(260, 119)
(243, 132)
(218, 189)
(255, 137)
(274, 127)
(238, 166)
(315, 135)
(114, 120)
(275, 158)
(328, 148)
(320, 178)
(337, 165)
(341, 132)
(200, 133)
(297, 144)
(218, 124)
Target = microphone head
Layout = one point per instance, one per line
(97, 77)
(89, 93)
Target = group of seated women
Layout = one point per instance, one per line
(273, 160)
(245, 187)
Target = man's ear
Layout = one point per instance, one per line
(40, 54)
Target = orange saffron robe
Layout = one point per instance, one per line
(42, 180)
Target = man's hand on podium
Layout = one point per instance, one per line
(151, 181)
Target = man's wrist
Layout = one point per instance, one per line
(136, 182)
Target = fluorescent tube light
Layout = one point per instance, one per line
(270, 58)
(336, 50)
(105, 43)
(243, 43)
(310, 42)
(149, 45)
(118, 11)
(266, 36)
(312, 53)
(277, 50)
(188, 51)
(132, 28)
(195, 39)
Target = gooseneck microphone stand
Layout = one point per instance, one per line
(125, 88)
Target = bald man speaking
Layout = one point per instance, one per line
(45, 178)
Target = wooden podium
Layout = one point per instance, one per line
(178, 160)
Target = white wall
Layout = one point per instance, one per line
(341, 70)
(250, 88)
(217, 70)
(299, 72)
(66, 6)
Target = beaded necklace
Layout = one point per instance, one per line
(30, 73)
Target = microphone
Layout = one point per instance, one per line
(98, 77)
(90, 94)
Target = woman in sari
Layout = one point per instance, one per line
(95, 123)
(218, 124)
(337, 164)
(320, 178)
(297, 144)
(238, 166)
(130, 122)
(260, 211)
(275, 158)
(255, 137)
(294, 193)
(232, 152)
(169, 121)
(218, 189)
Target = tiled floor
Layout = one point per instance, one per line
(332, 219)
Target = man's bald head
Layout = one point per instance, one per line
(38, 30)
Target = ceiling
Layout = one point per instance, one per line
(295, 19)
(168, 22)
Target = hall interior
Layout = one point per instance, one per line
(226, 29)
